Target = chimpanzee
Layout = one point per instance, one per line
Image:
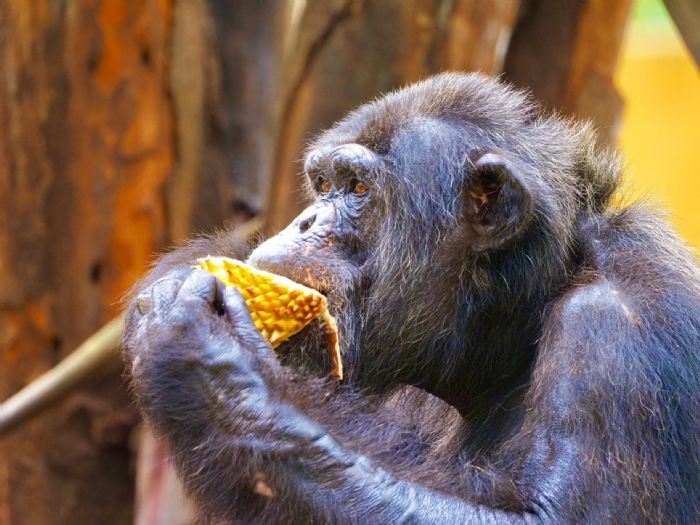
(517, 348)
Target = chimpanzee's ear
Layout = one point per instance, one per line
(498, 202)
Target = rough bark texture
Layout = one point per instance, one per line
(85, 150)
(115, 140)
(225, 59)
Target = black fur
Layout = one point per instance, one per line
(517, 349)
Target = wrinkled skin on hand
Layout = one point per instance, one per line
(214, 324)
(215, 332)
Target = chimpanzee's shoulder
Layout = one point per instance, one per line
(636, 248)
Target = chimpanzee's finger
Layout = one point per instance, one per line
(237, 313)
(235, 308)
(162, 295)
(202, 287)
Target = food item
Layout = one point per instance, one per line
(279, 306)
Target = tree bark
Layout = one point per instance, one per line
(85, 150)
(566, 54)
(224, 85)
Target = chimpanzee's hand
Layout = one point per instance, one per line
(197, 332)
(202, 373)
(246, 438)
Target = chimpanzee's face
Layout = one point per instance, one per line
(432, 186)
(327, 245)
(401, 213)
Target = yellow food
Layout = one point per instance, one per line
(279, 306)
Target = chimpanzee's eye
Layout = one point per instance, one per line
(323, 185)
(359, 187)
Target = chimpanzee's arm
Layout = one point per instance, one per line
(253, 441)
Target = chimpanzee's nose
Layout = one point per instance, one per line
(305, 222)
(317, 217)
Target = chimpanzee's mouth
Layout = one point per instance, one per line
(302, 276)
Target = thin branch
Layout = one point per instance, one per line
(97, 351)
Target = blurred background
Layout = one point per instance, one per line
(126, 126)
(660, 127)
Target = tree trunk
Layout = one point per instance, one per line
(116, 138)
(85, 150)
(566, 54)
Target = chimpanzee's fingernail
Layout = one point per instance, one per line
(144, 303)
(200, 284)
(163, 293)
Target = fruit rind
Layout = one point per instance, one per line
(278, 306)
